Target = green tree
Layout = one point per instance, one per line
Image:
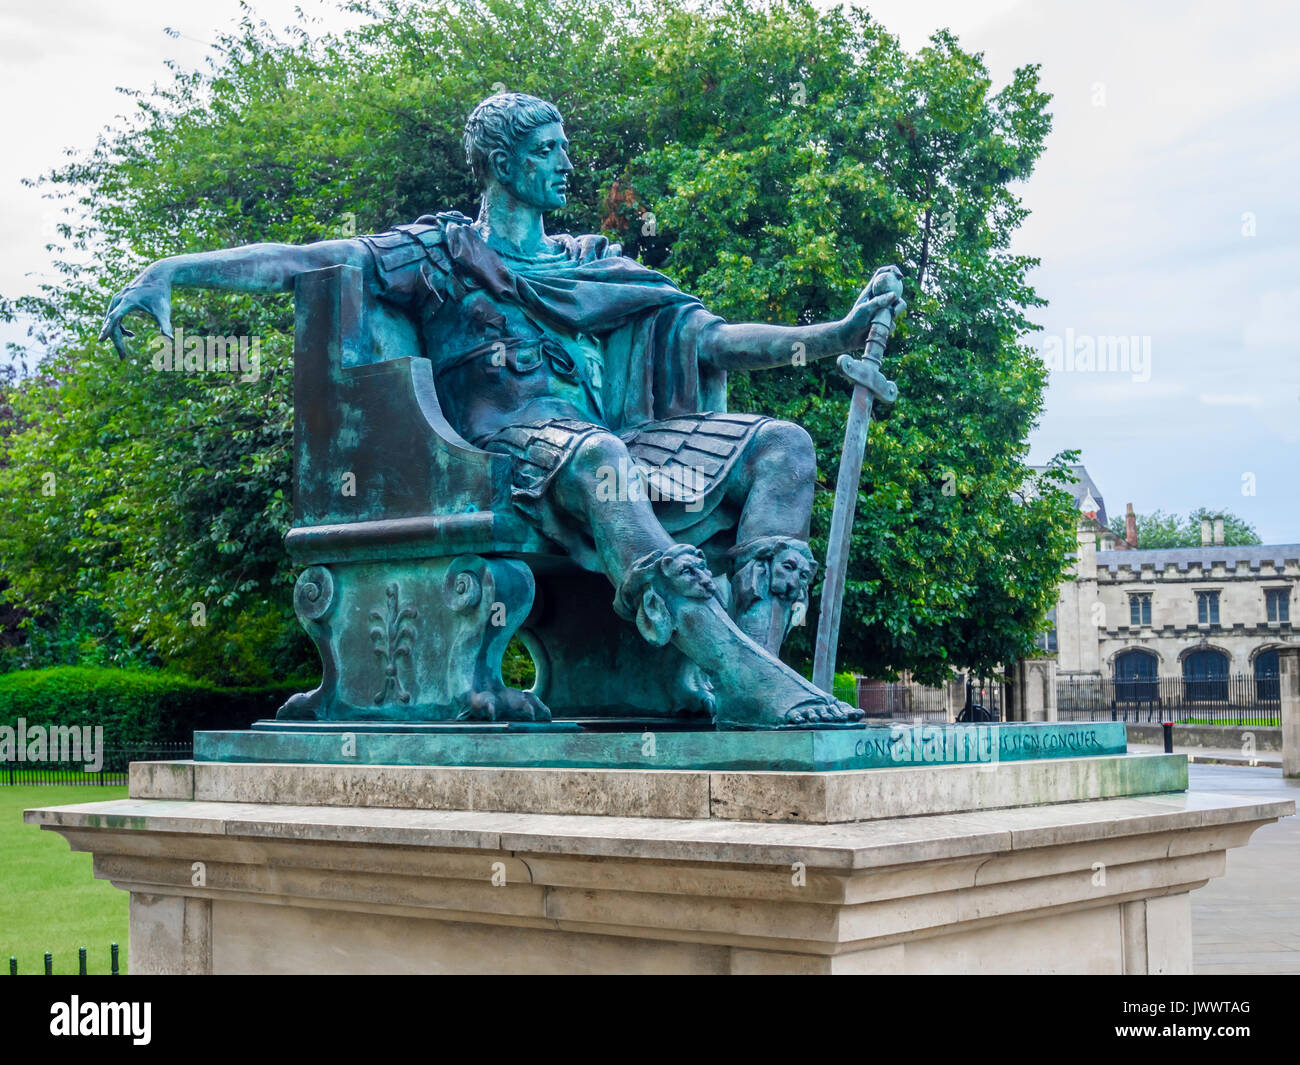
(1158, 529)
(767, 159)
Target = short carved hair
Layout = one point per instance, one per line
(501, 122)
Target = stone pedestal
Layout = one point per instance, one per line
(1034, 683)
(1288, 662)
(1072, 865)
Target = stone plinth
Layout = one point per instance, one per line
(814, 798)
(729, 873)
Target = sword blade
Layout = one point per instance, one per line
(837, 548)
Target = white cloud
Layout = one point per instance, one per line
(1141, 213)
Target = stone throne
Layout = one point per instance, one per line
(417, 573)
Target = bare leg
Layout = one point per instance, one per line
(666, 588)
(773, 483)
(624, 529)
(772, 565)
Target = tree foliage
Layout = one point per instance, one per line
(766, 158)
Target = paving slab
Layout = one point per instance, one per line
(1248, 921)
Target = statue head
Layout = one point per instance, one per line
(517, 142)
(791, 572)
(771, 567)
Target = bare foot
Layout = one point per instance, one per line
(671, 596)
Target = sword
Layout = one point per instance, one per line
(869, 385)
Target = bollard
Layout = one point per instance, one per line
(49, 964)
(81, 961)
(1168, 726)
(113, 952)
(13, 965)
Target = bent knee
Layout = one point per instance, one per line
(787, 445)
(600, 451)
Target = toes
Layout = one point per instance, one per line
(483, 706)
(538, 710)
(516, 706)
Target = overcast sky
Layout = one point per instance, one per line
(1164, 212)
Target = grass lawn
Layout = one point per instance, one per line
(49, 900)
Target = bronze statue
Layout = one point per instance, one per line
(603, 386)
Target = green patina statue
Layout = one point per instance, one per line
(516, 411)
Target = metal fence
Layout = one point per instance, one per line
(1232, 699)
(83, 969)
(113, 771)
(989, 694)
(903, 702)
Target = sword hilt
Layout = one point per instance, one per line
(878, 337)
(864, 371)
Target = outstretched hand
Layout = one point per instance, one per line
(152, 297)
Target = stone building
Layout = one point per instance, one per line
(1201, 614)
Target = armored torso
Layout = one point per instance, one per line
(494, 363)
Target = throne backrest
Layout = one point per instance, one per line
(372, 448)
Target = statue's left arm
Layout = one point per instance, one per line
(753, 346)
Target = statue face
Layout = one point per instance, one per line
(791, 574)
(537, 170)
(688, 575)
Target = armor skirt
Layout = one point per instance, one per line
(678, 464)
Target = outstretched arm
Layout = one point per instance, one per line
(253, 268)
(751, 346)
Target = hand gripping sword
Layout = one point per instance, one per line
(869, 385)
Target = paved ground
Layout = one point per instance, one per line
(1249, 920)
(1222, 755)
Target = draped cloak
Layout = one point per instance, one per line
(649, 330)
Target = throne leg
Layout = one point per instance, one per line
(313, 601)
(488, 601)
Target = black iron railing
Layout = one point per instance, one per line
(113, 770)
(83, 969)
(1230, 699)
(913, 702)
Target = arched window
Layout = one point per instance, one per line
(1205, 676)
(1266, 684)
(1135, 677)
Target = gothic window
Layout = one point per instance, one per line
(1046, 640)
(1207, 608)
(1277, 603)
(1139, 609)
(1266, 685)
(1135, 677)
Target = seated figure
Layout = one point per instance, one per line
(603, 385)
